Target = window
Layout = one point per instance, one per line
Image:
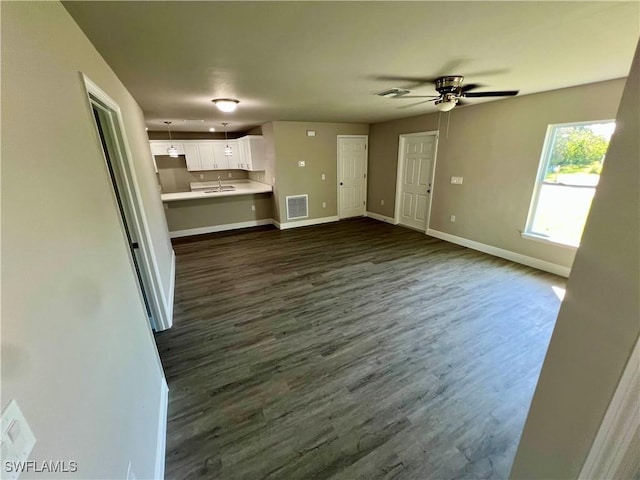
(569, 172)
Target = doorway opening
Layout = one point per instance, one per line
(108, 123)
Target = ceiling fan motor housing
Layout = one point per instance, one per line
(449, 84)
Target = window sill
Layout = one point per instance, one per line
(548, 240)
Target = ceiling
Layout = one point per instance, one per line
(323, 61)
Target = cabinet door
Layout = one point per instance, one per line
(236, 155)
(160, 148)
(207, 156)
(247, 161)
(222, 161)
(258, 150)
(192, 155)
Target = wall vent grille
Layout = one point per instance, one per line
(297, 207)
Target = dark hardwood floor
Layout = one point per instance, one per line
(351, 350)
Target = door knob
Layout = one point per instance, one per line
(340, 183)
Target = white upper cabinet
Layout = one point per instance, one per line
(253, 150)
(207, 157)
(192, 156)
(160, 147)
(223, 161)
(247, 153)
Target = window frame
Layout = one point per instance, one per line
(545, 158)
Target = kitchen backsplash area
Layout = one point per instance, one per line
(173, 175)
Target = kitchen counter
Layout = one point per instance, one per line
(243, 187)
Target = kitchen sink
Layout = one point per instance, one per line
(224, 188)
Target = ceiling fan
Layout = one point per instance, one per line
(450, 90)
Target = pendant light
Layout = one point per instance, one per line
(227, 150)
(171, 151)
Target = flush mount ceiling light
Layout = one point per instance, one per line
(171, 151)
(227, 150)
(212, 129)
(226, 105)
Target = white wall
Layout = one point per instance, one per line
(599, 320)
(77, 352)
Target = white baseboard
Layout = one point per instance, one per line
(382, 218)
(499, 252)
(219, 228)
(305, 223)
(161, 443)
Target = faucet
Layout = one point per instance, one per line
(219, 183)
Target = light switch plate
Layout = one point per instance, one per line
(17, 438)
(301, 163)
(311, 133)
(456, 180)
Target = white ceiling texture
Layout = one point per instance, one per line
(325, 61)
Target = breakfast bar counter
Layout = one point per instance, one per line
(203, 190)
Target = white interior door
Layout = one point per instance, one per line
(415, 176)
(352, 176)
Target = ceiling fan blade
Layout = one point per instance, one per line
(470, 86)
(409, 83)
(418, 103)
(487, 73)
(503, 93)
(418, 96)
(397, 78)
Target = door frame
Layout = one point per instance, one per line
(402, 138)
(366, 170)
(161, 317)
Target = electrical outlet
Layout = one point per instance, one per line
(253, 208)
(324, 177)
(230, 175)
(453, 219)
(302, 163)
(165, 205)
(201, 176)
(381, 202)
(324, 204)
(456, 180)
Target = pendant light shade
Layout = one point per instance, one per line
(171, 151)
(228, 152)
(226, 105)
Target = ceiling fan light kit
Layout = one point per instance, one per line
(446, 103)
(226, 105)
